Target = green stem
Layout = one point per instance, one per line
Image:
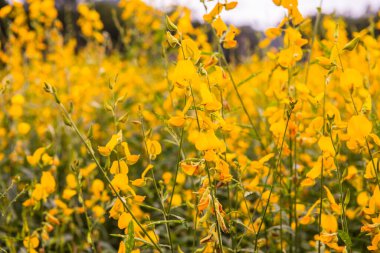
(316, 24)
(211, 185)
(156, 187)
(101, 169)
(227, 67)
(176, 171)
(276, 174)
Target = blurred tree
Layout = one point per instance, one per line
(68, 7)
(3, 27)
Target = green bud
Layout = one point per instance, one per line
(347, 197)
(108, 107)
(123, 118)
(173, 42)
(66, 121)
(352, 44)
(89, 133)
(170, 25)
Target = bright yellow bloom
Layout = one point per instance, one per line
(107, 149)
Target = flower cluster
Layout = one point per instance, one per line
(162, 143)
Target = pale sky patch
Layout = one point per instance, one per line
(261, 14)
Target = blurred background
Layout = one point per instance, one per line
(252, 17)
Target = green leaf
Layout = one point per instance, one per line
(130, 242)
(248, 78)
(164, 222)
(345, 238)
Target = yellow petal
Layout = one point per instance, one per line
(119, 167)
(124, 220)
(120, 182)
(351, 78)
(48, 182)
(359, 127)
(362, 199)
(326, 145)
(329, 223)
(219, 26)
(370, 170)
(230, 5)
(35, 158)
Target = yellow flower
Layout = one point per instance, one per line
(289, 56)
(39, 192)
(219, 26)
(209, 141)
(48, 182)
(362, 199)
(117, 209)
(119, 167)
(106, 150)
(141, 181)
(154, 148)
(189, 50)
(230, 5)
(120, 182)
(68, 194)
(4, 11)
(191, 167)
(359, 127)
(229, 39)
(177, 120)
(326, 145)
(334, 206)
(122, 248)
(97, 187)
(71, 181)
(329, 223)
(204, 201)
(124, 220)
(351, 79)
(131, 159)
(177, 200)
(370, 170)
(31, 242)
(215, 11)
(35, 158)
(184, 73)
(208, 99)
(23, 128)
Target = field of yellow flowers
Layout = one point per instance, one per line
(167, 146)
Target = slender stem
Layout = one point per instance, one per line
(155, 185)
(176, 171)
(213, 190)
(103, 172)
(295, 176)
(228, 184)
(341, 190)
(290, 193)
(81, 198)
(276, 174)
(227, 67)
(322, 169)
(316, 25)
(375, 168)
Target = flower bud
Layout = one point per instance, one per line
(170, 25)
